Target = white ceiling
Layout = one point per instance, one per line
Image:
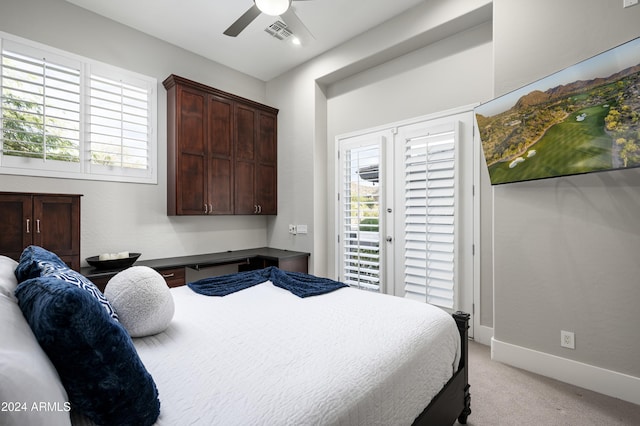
(197, 26)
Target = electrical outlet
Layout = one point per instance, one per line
(567, 339)
(292, 229)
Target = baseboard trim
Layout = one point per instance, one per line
(607, 382)
(483, 334)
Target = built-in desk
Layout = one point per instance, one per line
(173, 268)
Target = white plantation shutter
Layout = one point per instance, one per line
(40, 94)
(430, 216)
(360, 248)
(119, 131)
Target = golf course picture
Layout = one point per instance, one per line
(585, 118)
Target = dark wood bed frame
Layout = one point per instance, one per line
(453, 402)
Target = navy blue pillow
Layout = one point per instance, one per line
(36, 262)
(93, 354)
(29, 263)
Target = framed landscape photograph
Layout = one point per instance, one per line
(585, 118)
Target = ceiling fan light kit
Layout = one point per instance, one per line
(281, 8)
(273, 7)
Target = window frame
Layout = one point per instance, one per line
(85, 169)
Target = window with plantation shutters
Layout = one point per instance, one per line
(360, 193)
(119, 125)
(62, 115)
(40, 109)
(430, 216)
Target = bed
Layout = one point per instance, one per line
(262, 355)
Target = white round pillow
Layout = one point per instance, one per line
(142, 300)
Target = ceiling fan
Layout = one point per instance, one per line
(280, 8)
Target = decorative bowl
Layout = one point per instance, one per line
(122, 263)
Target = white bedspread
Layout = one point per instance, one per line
(263, 356)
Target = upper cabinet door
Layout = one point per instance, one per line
(221, 168)
(192, 152)
(267, 138)
(187, 153)
(266, 164)
(245, 150)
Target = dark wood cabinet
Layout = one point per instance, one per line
(256, 161)
(221, 152)
(51, 221)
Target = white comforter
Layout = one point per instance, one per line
(263, 356)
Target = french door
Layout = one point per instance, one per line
(362, 199)
(405, 215)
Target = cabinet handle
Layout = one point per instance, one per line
(38, 226)
(259, 209)
(210, 208)
(205, 209)
(28, 228)
(168, 275)
(255, 208)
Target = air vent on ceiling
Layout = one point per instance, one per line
(279, 30)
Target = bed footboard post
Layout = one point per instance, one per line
(462, 321)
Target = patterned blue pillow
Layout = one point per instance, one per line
(94, 355)
(38, 262)
(69, 275)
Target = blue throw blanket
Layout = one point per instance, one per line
(302, 285)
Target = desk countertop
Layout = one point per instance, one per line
(199, 261)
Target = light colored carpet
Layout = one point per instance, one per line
(504, 395)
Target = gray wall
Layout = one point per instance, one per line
(412, 85)
(125, 216)
(566, 249)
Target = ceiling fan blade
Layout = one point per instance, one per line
(243, 21)
(297, 27)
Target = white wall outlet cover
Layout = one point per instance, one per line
(567, 339)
